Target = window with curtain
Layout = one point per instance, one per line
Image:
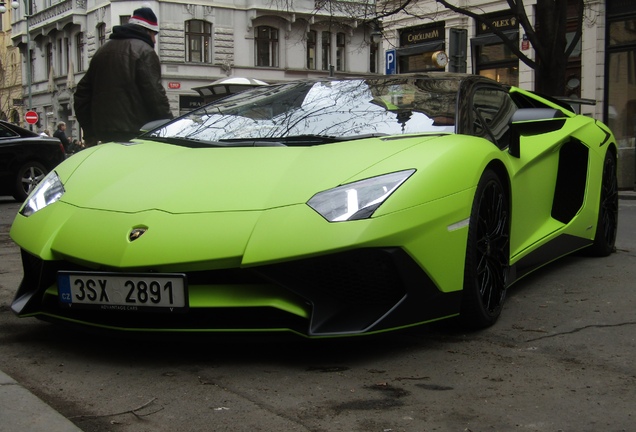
(101, 34)
(326, 50)
(79, 52)
(266, 40)
(198, 41)
(311, 49)
(49, 58)
(374, 57)
(340, 51)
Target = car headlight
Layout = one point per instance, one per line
(48, 191)
(357, 200)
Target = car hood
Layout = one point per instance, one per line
(148, 175)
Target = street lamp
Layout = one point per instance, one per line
(14, 6)
(376, 31)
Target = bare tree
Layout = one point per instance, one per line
(547, 36)
(10, 80)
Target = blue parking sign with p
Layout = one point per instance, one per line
(390, 62)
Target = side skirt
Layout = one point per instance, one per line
(553, 250)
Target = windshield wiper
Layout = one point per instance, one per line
(297, 140)
(184, 142)
(256, 142)
(313, 139)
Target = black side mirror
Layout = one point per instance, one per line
(155, 124)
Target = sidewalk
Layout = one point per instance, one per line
(21, 410)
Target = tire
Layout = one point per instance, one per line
(487, 254)
(607, 225)
(27, 178)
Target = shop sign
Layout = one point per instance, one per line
(500, 22)
(188, 103)
(421, 34)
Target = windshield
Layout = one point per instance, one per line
(331, 110)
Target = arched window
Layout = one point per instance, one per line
(266, 40)
(198, 38)
(15, 117)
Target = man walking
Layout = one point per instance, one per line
(122, 89)
(60, 133)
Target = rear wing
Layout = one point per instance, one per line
(574, 103)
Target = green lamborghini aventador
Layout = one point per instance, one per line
(323, 208)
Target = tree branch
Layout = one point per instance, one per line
(579, 30)
(512, 45)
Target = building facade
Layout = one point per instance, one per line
(198, 43)
(10, 71)
(602, 67)
(278, 40)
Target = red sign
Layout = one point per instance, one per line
(31, 117)
(174, 85)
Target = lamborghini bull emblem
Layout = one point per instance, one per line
(136, 233)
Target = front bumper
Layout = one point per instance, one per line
(366, 290)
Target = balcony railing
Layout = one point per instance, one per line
(41, 18)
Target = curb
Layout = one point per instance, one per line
(23, 411)
(627, 195)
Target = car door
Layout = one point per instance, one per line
(533, 175)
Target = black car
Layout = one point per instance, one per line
(25, 158)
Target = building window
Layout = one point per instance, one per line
(621, 79)
(497, 62)
(60, 53)
(326, 50)
(311, 49)
(266, 46)
(67, 53)
(198, 36)
(32, 71)
(123, 19)
(491, 57)
(373, 57)
(340, 51)
(418, 46)
(49, 59)
(101, 34)
(79, 53)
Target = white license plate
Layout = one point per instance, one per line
(126, 292)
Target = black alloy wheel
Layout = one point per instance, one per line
(607, 225)
(27, 178)
(487, 254)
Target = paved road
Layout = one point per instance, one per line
(560, 359)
